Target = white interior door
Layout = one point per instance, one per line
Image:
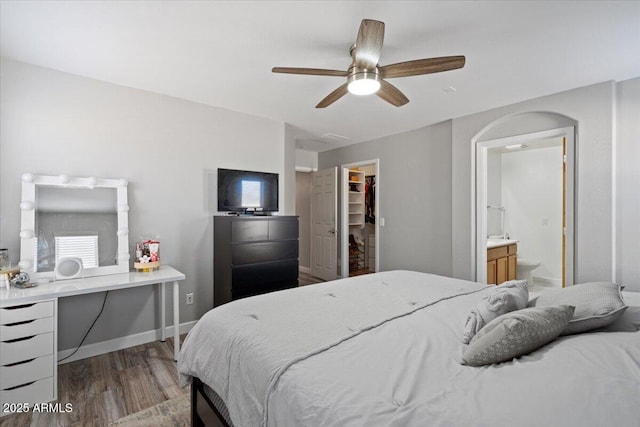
(324, 241)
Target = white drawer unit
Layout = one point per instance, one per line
(24, 372)
(27, 348)
(25, 312)
(33, 392)
(25, 328)
(28, 351)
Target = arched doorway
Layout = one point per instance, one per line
(527, 131)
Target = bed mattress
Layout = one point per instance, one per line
(406, 371)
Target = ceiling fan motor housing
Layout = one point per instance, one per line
(361, 76)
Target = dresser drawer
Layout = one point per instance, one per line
(263, 289)
(25, 372)
(249, 230)
(26, 328)
(249, 253)
(283, 229)
(24, 349)
(38, 391)
(21, 313)
(256, 275)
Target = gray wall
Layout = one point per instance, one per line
(427, 167)
(287, 180)
(303, 210)
(628, 184)
(414, 190)
(169, 150)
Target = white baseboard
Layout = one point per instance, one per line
(95, 349)
(306, 270)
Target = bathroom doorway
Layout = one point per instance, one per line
(525, 197)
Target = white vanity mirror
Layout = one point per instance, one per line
(66, 219)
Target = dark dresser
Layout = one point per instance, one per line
(253, 255)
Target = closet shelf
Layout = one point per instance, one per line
(356, 198)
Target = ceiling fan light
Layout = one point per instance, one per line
(364, 87)
(363, 82)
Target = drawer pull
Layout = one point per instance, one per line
(17, 307)
(24, 322)
(19, 339)
(19, 386)
(20, 362)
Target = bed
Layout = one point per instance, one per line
(385, 349)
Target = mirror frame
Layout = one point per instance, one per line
(28, 217)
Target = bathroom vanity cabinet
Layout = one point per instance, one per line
(502, 263)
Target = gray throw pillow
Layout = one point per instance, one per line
(501, 299)
(597, 304)
(517, 333)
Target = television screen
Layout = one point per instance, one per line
(246, 191)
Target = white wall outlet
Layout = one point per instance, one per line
(190, 298)
(381, 222)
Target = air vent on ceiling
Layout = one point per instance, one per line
(328, 138)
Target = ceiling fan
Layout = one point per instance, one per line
(365, 76)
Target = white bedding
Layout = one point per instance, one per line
(406, 371)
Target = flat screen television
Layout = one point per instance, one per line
(247, 192)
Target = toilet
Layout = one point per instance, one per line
(525, 268)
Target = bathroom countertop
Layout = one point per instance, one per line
(496, 243)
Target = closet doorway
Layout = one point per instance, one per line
(359, 208)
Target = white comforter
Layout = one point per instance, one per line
(404, 372)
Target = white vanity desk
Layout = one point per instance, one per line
(28, 324)
(66, 288)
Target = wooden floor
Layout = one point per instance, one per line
(104, 388)
(307, 279)
(359, 272)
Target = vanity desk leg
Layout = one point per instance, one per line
(162, 312)
(176, 321)
(176, 317)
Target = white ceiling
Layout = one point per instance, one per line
(221, 53)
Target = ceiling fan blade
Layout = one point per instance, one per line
(369, 43)
(422, 66)
(309, 71)
(333, 96)
(391, 94)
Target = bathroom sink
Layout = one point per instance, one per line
(494, 243)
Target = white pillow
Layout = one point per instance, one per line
(597, 304)
(629, 321)
(501, 299)
(517, 333)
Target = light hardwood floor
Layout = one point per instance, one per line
(104, 388)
